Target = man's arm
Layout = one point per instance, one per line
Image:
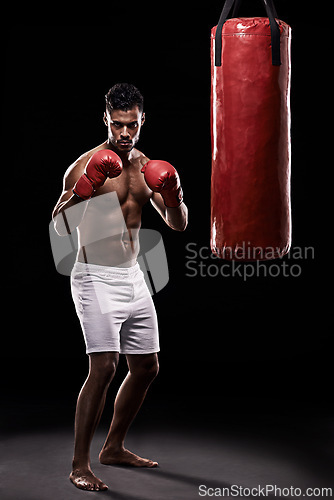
(81, 181)
(66, 220)
(175, 217)
(162, 178)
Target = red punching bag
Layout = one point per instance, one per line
(250, 136)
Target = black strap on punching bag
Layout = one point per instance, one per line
(237, 4)
(218, 38)
(274, 28)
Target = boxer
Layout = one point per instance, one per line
(106, 271)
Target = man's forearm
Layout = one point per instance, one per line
(68, 215)
(177, 217)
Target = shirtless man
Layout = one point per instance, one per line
(112, 301)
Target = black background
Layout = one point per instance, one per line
(226, 344)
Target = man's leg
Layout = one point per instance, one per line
(143, 368)
(91, 400)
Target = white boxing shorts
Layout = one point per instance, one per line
(115, 309)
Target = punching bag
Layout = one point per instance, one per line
(250, 136)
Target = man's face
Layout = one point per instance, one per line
(124, 127)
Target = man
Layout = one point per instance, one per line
(112, 301)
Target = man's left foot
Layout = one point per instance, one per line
(124, 457)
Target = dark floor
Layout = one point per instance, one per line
(268, 451)
(254, 431)
(36, 466)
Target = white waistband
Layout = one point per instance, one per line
(126, 272)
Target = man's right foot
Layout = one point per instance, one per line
(86, 480)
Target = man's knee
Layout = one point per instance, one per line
(103, 366)
(145, 367)
(152, 368)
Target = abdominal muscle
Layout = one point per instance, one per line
(113, 251)
(107, 235)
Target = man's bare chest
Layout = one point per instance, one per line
(129, 186)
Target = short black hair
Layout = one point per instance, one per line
(124, 96)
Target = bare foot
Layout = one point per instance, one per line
(124, 457)
(86, 480)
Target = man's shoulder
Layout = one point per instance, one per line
(77, 167)
(83, 159)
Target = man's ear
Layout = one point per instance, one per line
(105, 119)
(143, 118)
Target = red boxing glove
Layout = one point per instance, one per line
(161, 177)
(104, 163)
